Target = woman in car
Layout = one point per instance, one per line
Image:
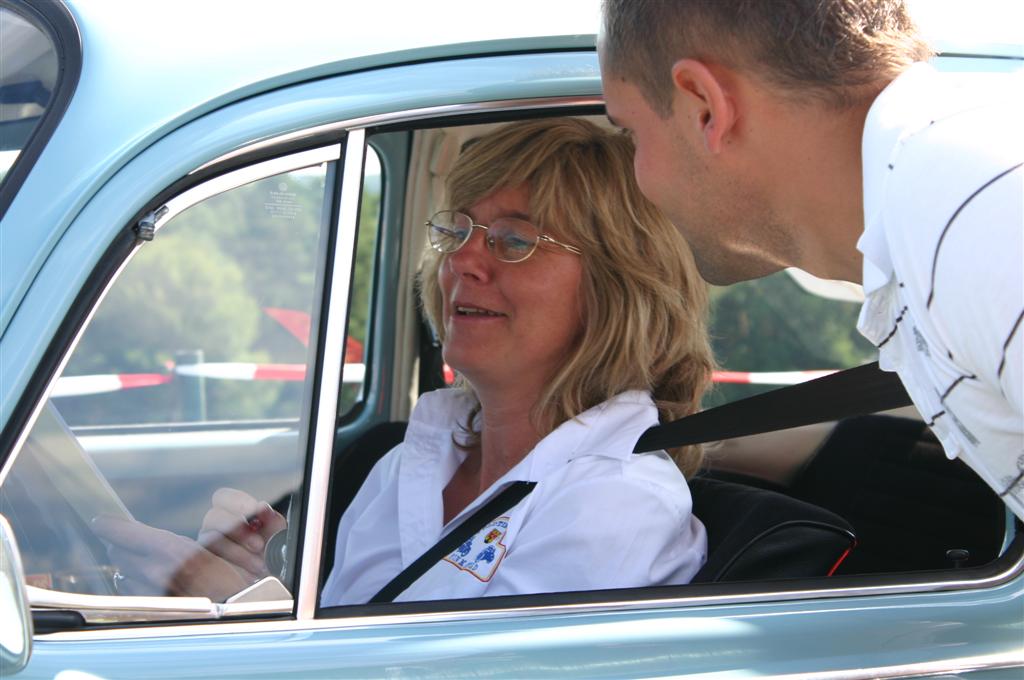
(575, 319)
(571, 312)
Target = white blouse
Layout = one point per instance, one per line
(599, 516)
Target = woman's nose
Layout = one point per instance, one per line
(473, 258)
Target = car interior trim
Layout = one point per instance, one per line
(330, 374)
(404, 116)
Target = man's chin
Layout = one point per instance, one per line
(718, 273)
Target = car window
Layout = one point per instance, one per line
(193, 375)
(27, 82)
(769, 333)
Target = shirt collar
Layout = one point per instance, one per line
(905, 106)
(610, 429)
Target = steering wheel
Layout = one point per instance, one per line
(50, 496)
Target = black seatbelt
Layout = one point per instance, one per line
(487, 512)
(853, 392)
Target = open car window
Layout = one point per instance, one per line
(915, 516)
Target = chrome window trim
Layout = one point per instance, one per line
(406, 116)
(245, 175)
(330, 375)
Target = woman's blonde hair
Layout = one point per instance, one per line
(644, 305)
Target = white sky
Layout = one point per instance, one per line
(411, 23)
(972, 20)
(981, 20)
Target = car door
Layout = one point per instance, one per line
(260, 166)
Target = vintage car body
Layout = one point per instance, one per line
(153, 117)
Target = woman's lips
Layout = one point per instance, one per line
(475, 311)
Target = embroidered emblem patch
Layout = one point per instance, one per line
(481, 554)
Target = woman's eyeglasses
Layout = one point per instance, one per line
(508, 238)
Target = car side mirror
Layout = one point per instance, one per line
(15, 615)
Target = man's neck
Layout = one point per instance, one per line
(821, 192)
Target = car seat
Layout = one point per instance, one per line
(757, 534)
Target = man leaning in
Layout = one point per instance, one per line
(812, 134)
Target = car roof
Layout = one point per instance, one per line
(193, 55)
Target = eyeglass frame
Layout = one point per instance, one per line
(541, 236)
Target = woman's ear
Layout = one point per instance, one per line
(706, 98)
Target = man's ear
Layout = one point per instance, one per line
(713, 110)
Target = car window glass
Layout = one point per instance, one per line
(357, 340)
(27, 80)
(192, 376)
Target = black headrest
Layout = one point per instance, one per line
(756, 534)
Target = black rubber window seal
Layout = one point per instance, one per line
(56, 20)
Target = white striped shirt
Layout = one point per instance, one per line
(943, 253)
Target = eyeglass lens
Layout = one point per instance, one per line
(509, 238)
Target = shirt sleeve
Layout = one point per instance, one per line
(604, 533)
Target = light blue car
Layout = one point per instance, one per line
(211, 226)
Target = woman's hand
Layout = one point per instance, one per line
(237, 528)
(151, 561)
(227, 558)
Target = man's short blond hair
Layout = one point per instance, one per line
(644, 305)
(828, 50)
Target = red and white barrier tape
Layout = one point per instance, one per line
(767, 377)
(75, 385)
(82, 385)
